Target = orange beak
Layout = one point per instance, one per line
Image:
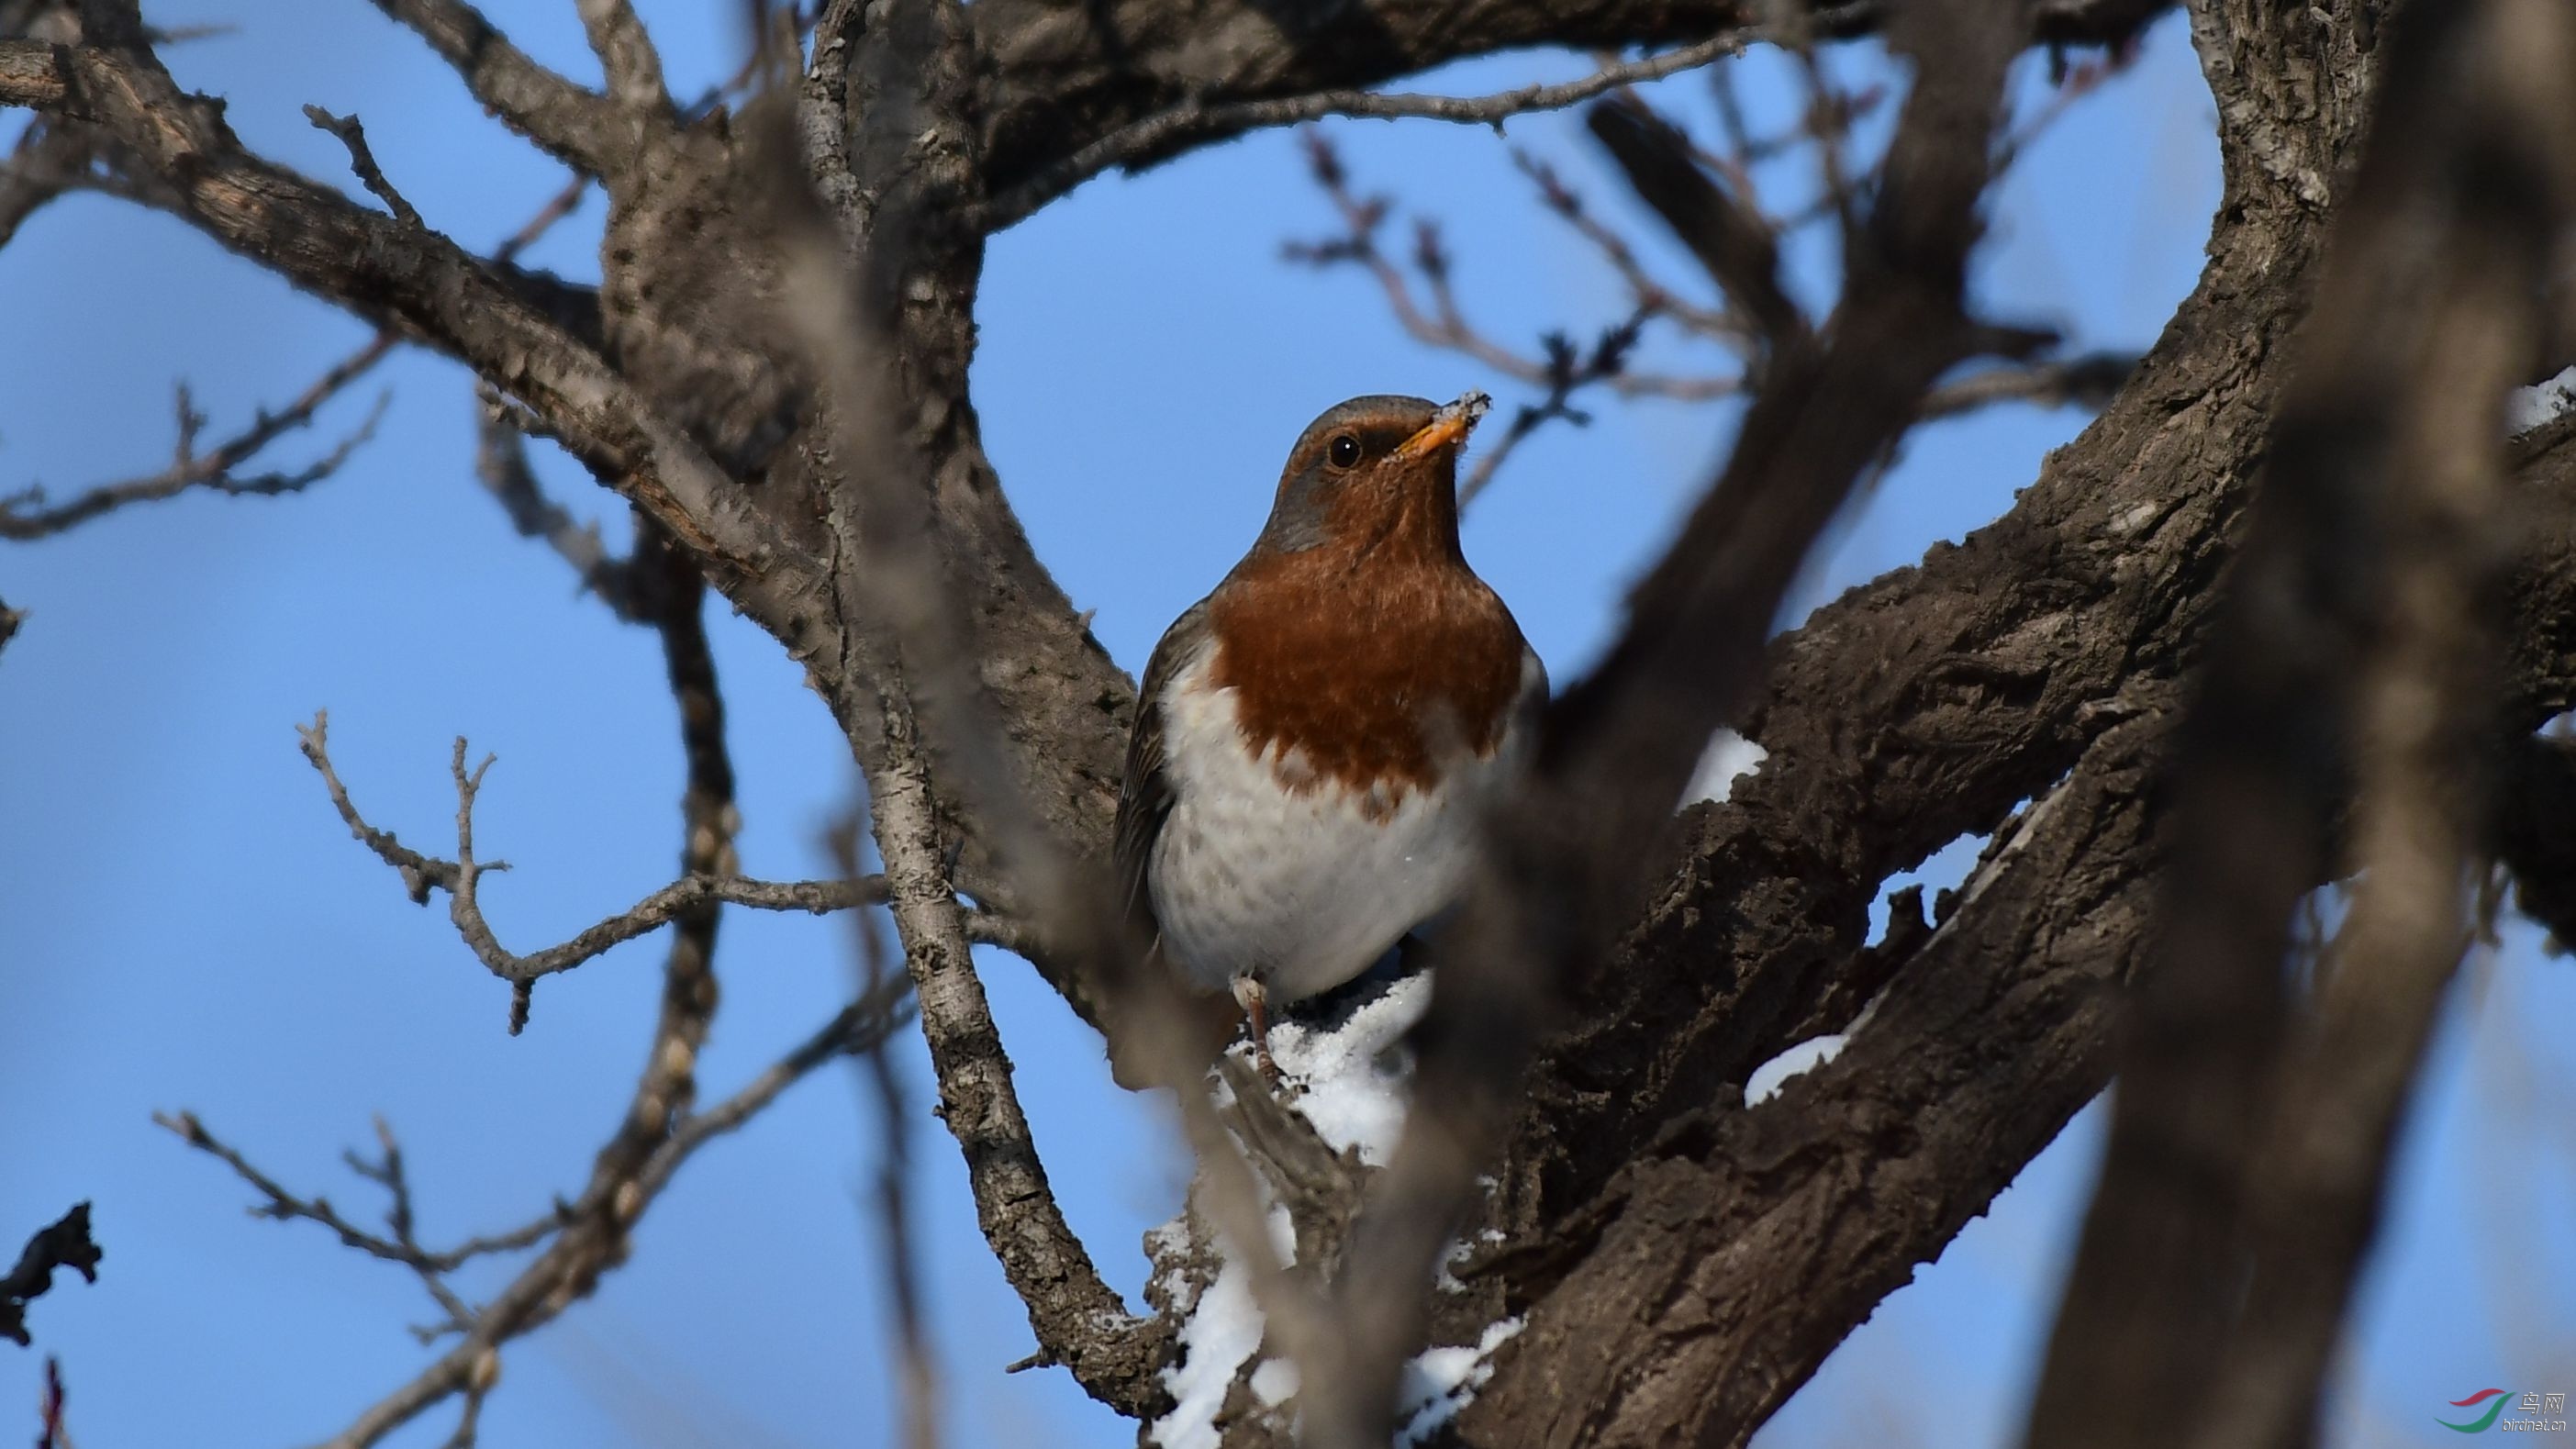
(1447, 428)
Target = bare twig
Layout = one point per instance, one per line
(1164, 134)
(362, 160)
(403, 1247)
(557, 207)
(25, 515)
(1441, 323)
(57, 158)
(64, 1243)
(501, 464)
(579, 1252)
(1645, 291)
(1828, 124)
(1560, 368)
(2080, 80)
(1568, 373)
(52, 1434)
(461, 879)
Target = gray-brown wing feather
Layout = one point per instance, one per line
(1145, 796)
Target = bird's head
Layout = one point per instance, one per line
(1374, 469)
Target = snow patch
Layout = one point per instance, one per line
(1223, 1329)
(1439, 1382)
(1274, 1382)
(1462, 1250)
(1729, 758)
(1345, 1071)
(1349, 1076)
(1806, 1056)
(2526, 408)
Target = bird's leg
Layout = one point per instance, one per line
(1255, 1001)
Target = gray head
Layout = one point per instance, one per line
(1365, 461)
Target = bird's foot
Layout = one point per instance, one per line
(1254, 998)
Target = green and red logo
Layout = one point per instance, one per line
(2484, 1421)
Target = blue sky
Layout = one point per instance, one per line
(186, 924)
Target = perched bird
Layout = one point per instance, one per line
(1316, 740)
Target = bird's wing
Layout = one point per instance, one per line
(1145, 795)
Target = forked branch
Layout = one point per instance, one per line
(26, 515)
(461, 878)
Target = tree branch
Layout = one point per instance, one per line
(2249, 1147)
(1059, 82)
(627, 57)
(2535, 797)
(501, 465)
(1079, 1320)
(461, 877)
(24, 516)
(64, 1243)
(403, 1247)
(421, 282)
(575, 126)
(1165, 134)
(578, 1253)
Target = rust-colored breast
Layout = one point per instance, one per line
(1370, 674)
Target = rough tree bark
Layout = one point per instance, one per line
(1682, 1263)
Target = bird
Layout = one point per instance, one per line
(1316, 741)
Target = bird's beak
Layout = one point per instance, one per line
(1447, 428)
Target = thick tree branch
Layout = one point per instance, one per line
(1078, 1319)
(1722, 1239)
(47, 161)
(1989, 672)
(1060, 80)
(2251, 1137)
(575, 126)
(1730, 236)
(899, 604)
(1972, 692)
(626, 56)
(2535, 797)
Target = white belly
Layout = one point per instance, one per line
(1301, 889)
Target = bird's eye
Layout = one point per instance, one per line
(1345, 451)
